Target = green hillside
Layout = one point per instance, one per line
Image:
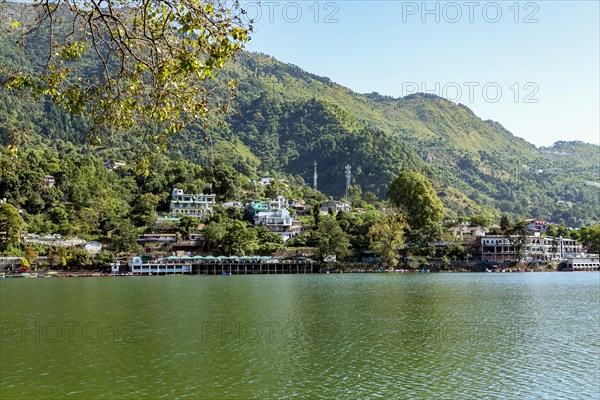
(286, 118)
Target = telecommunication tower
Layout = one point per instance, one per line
(348, 174)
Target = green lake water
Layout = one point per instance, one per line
(413, 336)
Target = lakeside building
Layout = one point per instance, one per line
(195, 205)
(222, 265)
(499, 248)
(591, 262)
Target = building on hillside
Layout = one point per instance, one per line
(257, 206)
(268, 180)
(93, 247)
(157, 237)
(299, 207)
(48, 182)
(466, 231)
(195, 205)
(280, 222)
(500, 248)
(537, 225)
(336, 206)
(233, 204)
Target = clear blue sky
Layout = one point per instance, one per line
(532, 66)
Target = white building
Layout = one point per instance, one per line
(588, 263)
(48, 181)
(280, 222)
(336, 206)
(195, 205)
(464, 231)
(501, 248)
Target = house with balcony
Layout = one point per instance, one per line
(280, 222)
(274, 215)
(263, 206)
(195, 205)
(501, 248)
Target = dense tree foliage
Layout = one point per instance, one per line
(331, 239)
(286, 119)
(590, 238)
(413, 194)
(10, 226)
(387, 239)
(138, 65)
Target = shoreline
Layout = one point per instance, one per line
(75, 274)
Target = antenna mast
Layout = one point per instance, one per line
(348, 174)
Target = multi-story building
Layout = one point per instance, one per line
(280, 222)
(502, 248)
(263, 206)
(195, 205)
(274, 216)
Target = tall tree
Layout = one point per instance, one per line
(124, 238)
(10, 226)
(331, 239)
(414, 195)
(387, 239)
(590, 238)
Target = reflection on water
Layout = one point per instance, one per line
(454, 336)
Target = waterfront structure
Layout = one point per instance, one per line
(590, 262)
(501, 248)
(209, 265)
(195, 205)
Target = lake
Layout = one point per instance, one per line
(442, 336)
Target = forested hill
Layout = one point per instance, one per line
(287, 118)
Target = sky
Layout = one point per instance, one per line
(533, 66)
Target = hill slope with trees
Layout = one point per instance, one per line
(286, 118)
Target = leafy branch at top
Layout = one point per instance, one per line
(155, 58)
